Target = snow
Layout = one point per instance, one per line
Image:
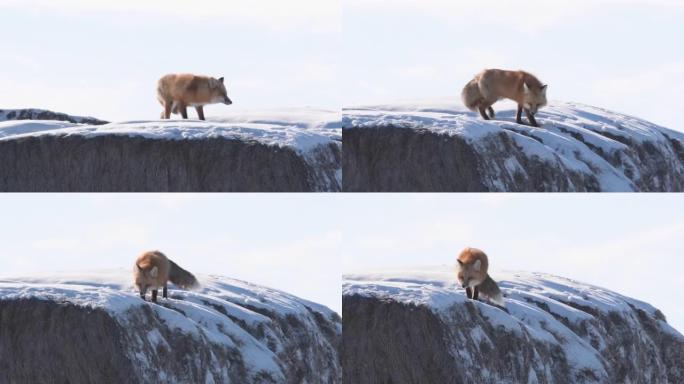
(215, 312)
(102, 288)
(572, 133)
(23, 127)
(11, 114)
(437, 288)
(302, 129)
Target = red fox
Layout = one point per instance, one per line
(153, 270)
(492, 85)
(472, 275)
(176, 92)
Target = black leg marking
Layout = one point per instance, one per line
(154, 295)
(483, 113)
(164, 291)
(200, 112)
(518, 116)
(183, 111)
(476, 292)
(469, 292)
(531, 118)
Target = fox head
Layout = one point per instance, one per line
(470, 274)
(219, 94)
(145, 278)
(535, 97)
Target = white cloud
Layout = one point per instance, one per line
(652, 91)
(525, 15)
(658, 79)
(311, 14)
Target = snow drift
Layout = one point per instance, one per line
(417, 326)
(94, 328)
(437, 146)
(270, 151)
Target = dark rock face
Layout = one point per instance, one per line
(390, 159)
(112, 163)
(391, 342)
(48, 342)
(40, 114)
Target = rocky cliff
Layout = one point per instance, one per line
(438, 146)
(418, 327)
(93, 328)
(296, 150)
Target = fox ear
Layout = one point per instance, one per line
(476, 265)
(460, 262)
(154, 271)
(221, 79)
(526, 89)
(543, 88)
(137, 267)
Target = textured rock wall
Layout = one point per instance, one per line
(127, 164)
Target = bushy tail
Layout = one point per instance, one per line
(490, 288)
(471, 95)
(181, 277)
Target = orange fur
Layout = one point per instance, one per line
(176, 92)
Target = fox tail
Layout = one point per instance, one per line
(490, 288)
(181, 277)
(471, 95)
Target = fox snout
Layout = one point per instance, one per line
(228, 101)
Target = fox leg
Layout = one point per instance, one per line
(183, 110)
(164, 291)
(167, 109)
(476, 292)
(154, 295)
(531, 118)
(490, 110)
(469, 292)
(518, 116)
(200, 112)
(483, 112)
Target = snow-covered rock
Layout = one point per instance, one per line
(42, 114)
(438, 145)
(277, 150)
(93, 327)
(417, 326)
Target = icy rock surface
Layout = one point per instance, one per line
(93, 327)
(417, 326)
(437, 145)
(267, 150)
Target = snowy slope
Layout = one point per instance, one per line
(553, 329)
(299, 129)
(583, 147)
(266, 335)
(305, 143)
(42, 114)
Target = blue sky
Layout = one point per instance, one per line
(628, 243)
(103, 58)
(288, 242)
(618, 54)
